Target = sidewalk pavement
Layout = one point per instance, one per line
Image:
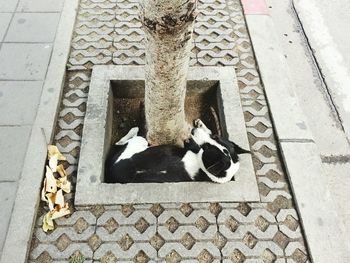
(314, 85)
(108, 32)
(27, 33)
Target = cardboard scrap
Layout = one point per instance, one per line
(53, 163)
(51, 200)
(61, 171)
(64, 184)
(55, 183)
(53, 151)
(43, 192)
(48, 222)
(51, 186)
(59, 199)
(62, 211)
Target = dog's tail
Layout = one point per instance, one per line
(131, 134)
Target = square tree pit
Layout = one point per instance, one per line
(215, 87)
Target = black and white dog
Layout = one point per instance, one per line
(204, 158)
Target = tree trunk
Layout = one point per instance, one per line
(168, 26)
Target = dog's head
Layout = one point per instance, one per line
(218, 157)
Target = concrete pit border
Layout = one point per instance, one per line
(90, 188)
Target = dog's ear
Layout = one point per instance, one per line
(231, 146)
(191, 145)
(238, 149)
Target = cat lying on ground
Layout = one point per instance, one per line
(205, 157)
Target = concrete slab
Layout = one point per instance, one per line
(90, 189)
(284, 106)
(7, 199)
(13, 141)
(13, 96)
(33, 27)
(325, 25)
(313, 200)
(40, 5)
(24, 61)
(8, 5)
(309, 88)
(5, 19)
(338, 181)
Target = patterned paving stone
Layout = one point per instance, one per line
(108, 32)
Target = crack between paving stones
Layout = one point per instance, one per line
(8, 27)
(218, 231)
(332, 103)
(157, 222)
(297, 140)
(95, 233)
(278, 227)
(335, 159)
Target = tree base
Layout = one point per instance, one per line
(128, 107)
(97, 138)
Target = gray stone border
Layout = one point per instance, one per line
(90, 190)
(18, 239)
(323, 230)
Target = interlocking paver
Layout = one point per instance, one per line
(7, 198)
(40, 5)
(19, 61)
(251, 232)
(56, 253)
(13, 141)
(125, 254)
(5, 19)
(33, 27)
(13, 96)
(194, 252)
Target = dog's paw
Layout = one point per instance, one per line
(198, 123)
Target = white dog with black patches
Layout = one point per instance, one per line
(204, 158)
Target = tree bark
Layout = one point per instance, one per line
(168, 27)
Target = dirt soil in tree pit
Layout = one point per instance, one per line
(129, 112)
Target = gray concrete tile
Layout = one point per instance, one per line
(4, 22)
(40, 5)
(33, 27)
(24, 61)
(7, 199)
(337, 175)
(8, 5)
(316, 207)
(13, 141)
(19, 101)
